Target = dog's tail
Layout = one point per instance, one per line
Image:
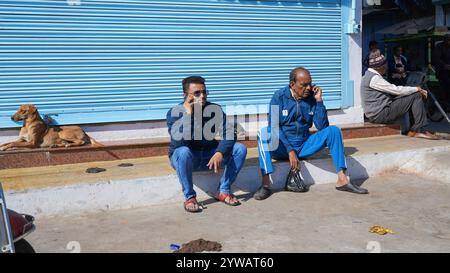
(95, 143)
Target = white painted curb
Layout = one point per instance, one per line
(111, 195)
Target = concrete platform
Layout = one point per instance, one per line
(68, 189)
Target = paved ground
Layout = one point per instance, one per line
(322, 220)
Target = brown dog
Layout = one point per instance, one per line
(35, 133)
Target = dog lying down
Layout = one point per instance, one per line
(35, 133)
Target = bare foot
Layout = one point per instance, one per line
(342, 179)
(231, 200)
(192, 205)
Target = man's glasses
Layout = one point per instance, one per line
(198, 93)
(307, 84)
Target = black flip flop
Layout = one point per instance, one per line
(352, 188)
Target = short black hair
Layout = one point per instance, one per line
(293, 74)
(373, 43)
(192, 79)
(397, 47)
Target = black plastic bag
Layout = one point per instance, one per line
(295, 183)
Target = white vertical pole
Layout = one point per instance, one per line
(6, 227)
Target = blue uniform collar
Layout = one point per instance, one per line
(287, 92)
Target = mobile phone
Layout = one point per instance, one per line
(311, 91)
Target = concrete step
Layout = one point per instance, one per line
(145, 148)
(68, 189)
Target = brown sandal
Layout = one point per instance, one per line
(192, 200)
(222, 197)
(425, 135)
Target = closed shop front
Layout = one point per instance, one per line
(100, 61)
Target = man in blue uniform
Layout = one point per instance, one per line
(293, 110)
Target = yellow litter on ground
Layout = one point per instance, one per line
(380, 230)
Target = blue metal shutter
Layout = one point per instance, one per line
(111, 61)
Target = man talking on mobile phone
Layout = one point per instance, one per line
(193, 126)
(292, 112)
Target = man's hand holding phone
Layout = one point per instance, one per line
(189, 103)
(317, 92)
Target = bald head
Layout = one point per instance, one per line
(296, 73)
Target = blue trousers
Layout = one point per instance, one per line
(185, 161)
(330, 137)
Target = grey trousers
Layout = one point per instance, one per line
(412, 104)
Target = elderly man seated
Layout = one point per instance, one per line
(384, 102)
(293, 110)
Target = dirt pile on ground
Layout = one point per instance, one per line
(199, 245)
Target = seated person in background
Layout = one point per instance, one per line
(384, 102)
(373, 51)
(398, 67)
(191, 149)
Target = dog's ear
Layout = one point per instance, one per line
(32, 109)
